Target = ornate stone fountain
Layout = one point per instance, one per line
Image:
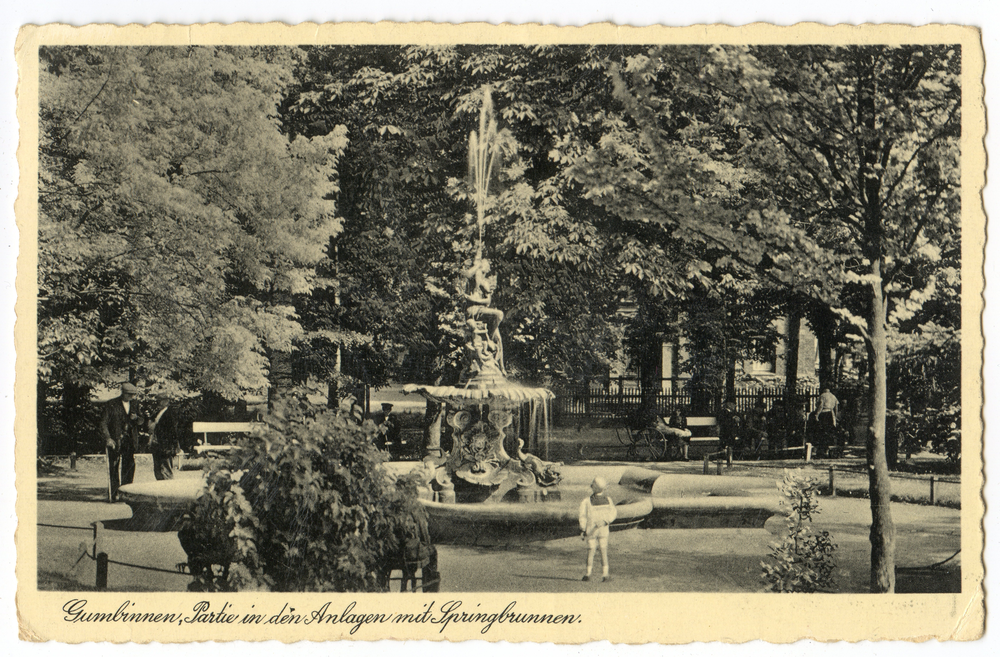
(479, 411)
(479, 408)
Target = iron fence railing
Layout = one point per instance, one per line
(623, 400)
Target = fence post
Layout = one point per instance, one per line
(102, 571)
(932, 491)
(72, 460)
(705, 468)
(809, 451)
(718, 467)
(621, 395)
(101, 556)
(729, 456)
(833, 483)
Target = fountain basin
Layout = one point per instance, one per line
(643, 497)
(704, 501)
(158, 506)
(514, 523)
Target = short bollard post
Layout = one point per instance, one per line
(833, 483)
(729, 457)
(932, 491)
(705, 467)
(72, 460)
(102, 571)
(809, 451)
(718, 467)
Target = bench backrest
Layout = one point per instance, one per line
(703, 427)
(222, 427)
(206, 428)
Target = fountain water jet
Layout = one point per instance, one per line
(478, 409)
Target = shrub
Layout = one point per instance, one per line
(303, 506)
(803, 561)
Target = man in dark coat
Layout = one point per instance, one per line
(120, 425)
(167, 432)
(730, 427)
(755, 428)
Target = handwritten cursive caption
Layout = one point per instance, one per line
(80, 611)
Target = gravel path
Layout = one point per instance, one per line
(656, 560)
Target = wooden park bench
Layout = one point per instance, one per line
(705, 440)
(656, 443)
(704, 436)
(204, 447)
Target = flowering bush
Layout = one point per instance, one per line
(803, 561)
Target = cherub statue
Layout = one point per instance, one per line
(479, 295)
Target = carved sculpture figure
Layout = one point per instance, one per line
(546, 473)
(483, 320)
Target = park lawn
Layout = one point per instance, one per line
(905, 488)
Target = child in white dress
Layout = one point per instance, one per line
(597, 512)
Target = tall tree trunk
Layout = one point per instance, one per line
(41, 424)
(730, 378)
(883, 530)
(823, 327)
(649, 378)
(794, 322)
(76, 421)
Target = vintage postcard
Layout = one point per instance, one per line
(502, 333)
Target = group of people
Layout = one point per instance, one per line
(122, 423)
(761, 430)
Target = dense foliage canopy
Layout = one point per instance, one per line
(220, 218)
(175, 218)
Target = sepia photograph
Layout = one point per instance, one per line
(492, 317)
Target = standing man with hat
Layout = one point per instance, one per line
(120, 425)
(166, 432)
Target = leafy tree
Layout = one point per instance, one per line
(925, 366)
(176, 221)
(561, 261)
(834, 173)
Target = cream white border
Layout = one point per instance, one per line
(627, 618)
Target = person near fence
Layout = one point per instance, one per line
(730, 427)
(597, 512)
(387, 436)
(756, 428)
(120, 424)
(827, 409)
(777, 425)
(677, 420)
(677, 430)
(167, 431)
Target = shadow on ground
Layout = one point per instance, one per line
(52, 581)
(929, 580)
(70, 486)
